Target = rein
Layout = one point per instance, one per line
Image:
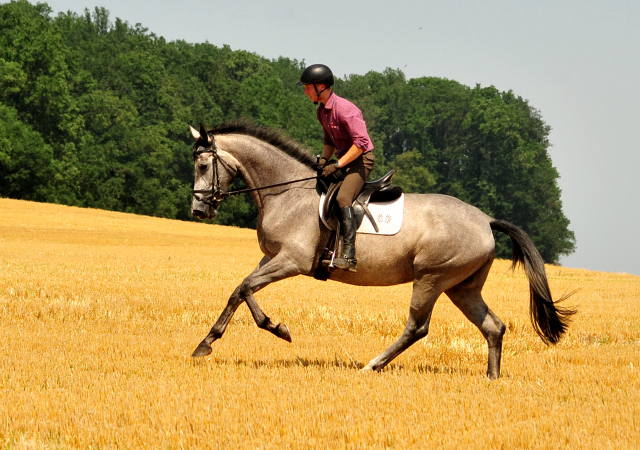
(217, 194)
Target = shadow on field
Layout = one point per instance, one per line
(426, 368)
(322, 363)
(331, 363)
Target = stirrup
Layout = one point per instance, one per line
(329, 262)
(344, 263)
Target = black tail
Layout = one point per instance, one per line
(549, 321)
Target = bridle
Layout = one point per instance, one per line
(216, 194)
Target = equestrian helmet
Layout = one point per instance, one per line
(316, 74)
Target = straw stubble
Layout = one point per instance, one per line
(101, 310)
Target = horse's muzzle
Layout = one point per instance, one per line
(203, 215)
(203, 211)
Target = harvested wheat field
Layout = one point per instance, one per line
(101, 311)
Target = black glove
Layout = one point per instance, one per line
(323, 162)
(329, 170)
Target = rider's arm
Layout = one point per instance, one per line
(351, 155)
(328, 151)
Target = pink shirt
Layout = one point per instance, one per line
(343, 125)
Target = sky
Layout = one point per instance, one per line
(577, 62)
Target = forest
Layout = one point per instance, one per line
(94, 112)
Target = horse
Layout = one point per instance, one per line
(444, 244)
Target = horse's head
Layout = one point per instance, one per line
(214, 171)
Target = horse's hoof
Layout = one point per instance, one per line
(203, 349)
(283, 332)
(365, 370)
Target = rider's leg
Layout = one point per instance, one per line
(347, 259)
(356, 173)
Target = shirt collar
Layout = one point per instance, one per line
(330, 101)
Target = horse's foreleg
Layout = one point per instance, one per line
(204, 348)
(267, 272)
(422, 301)
(236, 299)
(280, 330)
(278, 268)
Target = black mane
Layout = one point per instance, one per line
(270, 136)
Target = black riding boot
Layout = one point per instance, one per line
(348, 259)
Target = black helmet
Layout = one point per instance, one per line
(316, 73)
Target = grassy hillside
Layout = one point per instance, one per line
(101, 310)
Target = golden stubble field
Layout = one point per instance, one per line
(101, 310)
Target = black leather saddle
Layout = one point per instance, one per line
(373, 191)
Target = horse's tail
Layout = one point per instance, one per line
(549, 320)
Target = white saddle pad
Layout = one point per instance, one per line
(387, 215)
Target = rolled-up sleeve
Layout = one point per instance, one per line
(357, 129)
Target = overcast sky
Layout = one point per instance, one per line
(577, 62)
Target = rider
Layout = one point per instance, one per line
(345, 134)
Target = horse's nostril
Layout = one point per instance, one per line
(197, 213)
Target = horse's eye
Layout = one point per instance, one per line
(203, 167)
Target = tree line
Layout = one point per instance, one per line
(94, 113)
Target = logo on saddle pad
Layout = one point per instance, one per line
(378, 208)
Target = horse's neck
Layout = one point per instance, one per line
(262, 165)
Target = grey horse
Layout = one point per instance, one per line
(444, 244)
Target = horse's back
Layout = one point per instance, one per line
(447, 222)
(439, 234)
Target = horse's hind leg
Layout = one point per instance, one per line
(467, 297)
(422, 301)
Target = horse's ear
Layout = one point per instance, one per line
(194, 133)
(204, 135)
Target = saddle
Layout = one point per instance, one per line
(374, 191)
(380, 190)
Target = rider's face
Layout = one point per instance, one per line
(310, 91)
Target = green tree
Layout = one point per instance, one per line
(486, 147)
(26, 161)
(94, 113)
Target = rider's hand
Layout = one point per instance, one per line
(329, 170)
(323, 162)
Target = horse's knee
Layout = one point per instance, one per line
(244, 289)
